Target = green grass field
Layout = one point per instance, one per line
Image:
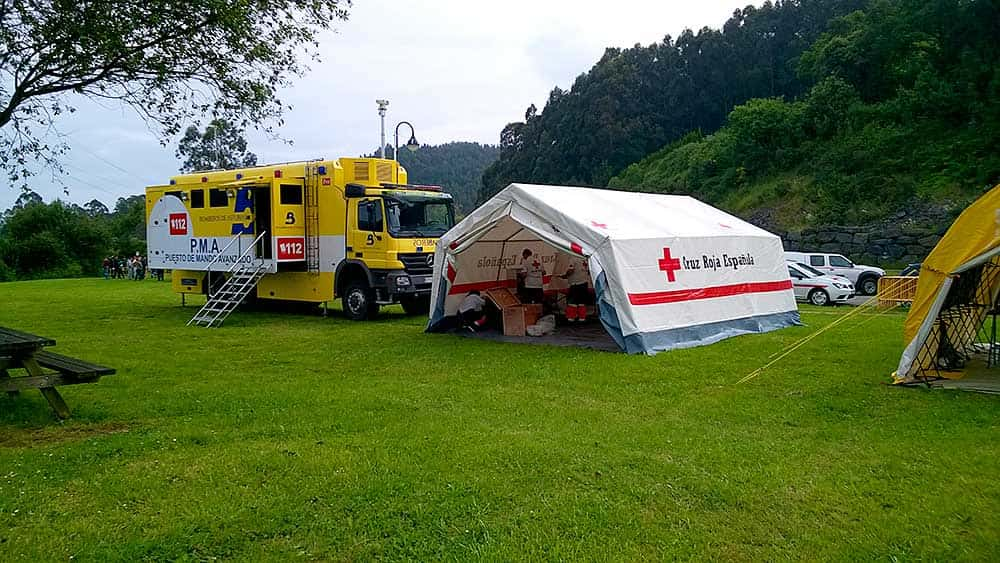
(286, 436)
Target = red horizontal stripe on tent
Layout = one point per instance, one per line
(480, 286)
(660, 297)
(484, 285)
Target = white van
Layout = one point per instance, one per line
(864, 278)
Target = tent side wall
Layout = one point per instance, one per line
(709, 289)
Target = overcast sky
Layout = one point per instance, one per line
(459, 70)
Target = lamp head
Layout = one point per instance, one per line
(412, 144)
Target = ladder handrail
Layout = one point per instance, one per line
(223, 251)
(252, 246)
(208, 269)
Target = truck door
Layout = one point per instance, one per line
(288, 220)
(262, 220)
(367, 239)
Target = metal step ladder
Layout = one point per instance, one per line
(242, 279)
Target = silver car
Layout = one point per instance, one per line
(818, 288)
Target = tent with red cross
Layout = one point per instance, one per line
(667, 271)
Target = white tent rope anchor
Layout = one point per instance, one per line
(867, 305)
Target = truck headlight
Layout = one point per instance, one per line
(403, 281)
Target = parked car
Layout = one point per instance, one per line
(816, 288)
(911, 270)
(864, 278)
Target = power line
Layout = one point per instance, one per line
(104, 160)
(97, 176)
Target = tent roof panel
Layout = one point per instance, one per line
(631, 215)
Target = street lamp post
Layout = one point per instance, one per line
(382, 106)
(412, 144)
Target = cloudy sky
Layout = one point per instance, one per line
(457, 69)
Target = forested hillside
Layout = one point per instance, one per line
(458, 167)
(903, 111)
(634, 101)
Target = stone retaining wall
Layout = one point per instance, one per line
(905, 238)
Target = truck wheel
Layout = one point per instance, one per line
(819, 297)
(359, 302)
(868, 285)
(416, 305)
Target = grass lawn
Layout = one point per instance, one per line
(284, 436)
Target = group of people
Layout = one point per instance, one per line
(128, 267)
(531, 289)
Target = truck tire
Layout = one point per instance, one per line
(868, 285)
(416, 305)
(359, 302)
(819, 297)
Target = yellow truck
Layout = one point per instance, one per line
(311, 231)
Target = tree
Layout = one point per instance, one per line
(95, 208)
(634, 101)
(128, 225)
(222, 145)
(51, 240)
(172, 62)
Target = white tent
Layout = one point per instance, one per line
(668, 271)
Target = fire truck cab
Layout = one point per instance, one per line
(312, 231)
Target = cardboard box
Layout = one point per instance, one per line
(532, 312)
(513, 321)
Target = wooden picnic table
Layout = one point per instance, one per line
(20, 350)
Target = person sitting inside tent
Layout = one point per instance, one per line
(471, 311)
(578, 276)
(532, 276)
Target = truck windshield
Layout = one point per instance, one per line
(418, 216)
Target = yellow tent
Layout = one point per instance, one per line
(956, 291)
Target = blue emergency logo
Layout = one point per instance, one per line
(244, 202)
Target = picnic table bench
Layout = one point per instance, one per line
(20, 350)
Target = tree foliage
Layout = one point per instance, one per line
(903, 107)
(58, 239)
(634, 101)
(221, 146)
(172, 62)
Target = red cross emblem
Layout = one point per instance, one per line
(598, 225)
(669, 264)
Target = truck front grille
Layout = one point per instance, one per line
(417, 263)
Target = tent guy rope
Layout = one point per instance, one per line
(866, 306)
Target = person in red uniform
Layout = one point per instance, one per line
(578, 276)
